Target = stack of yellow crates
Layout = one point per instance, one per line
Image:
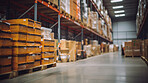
(5, 49)
(47, 51)
(26, 37)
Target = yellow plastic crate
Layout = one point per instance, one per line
(37, 56)
(4, 26)
(30, 37)
(5, 51)
(5, 60)
(51, 60)
(45, 61)
(19, 36)
(18, 28)
(37, 38)
(27, 22)
(37, 24)
(51, 49)
(19, 43)
(48, 42)
(38, 49)
(38, 31)
(47, 55)
(31, 50)
(30, 58)
(31, 30)
(5, 34)
(21, 59)
(19, 50)
(6, 42)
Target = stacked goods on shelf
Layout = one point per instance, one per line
(88, 48)
(54, 1)
(26, 37)
(142, 9)
(5, 48)
(75, 9)
(48, 47)
(94, 20)
(85, 13)
(65, 6)
(128, 49)
(64, 50)
(100, 31)
(92, 49)
(72, 50)
(136, 44)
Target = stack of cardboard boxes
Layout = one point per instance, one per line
(128, 49)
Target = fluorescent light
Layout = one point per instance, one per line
(120, 11)
(119, 15)
(114, 1)
(117, 7)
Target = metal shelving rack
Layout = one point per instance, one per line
(53, 16)
(143, 30)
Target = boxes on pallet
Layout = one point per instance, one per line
(72, 50)
(128, 49)
(75, 9)
(136, 47)
(87, 48)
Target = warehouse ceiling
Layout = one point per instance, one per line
(130, 8)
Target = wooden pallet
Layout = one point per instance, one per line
(48, 66)
(8, 75)
(31, 70)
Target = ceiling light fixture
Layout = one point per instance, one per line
(117, 7)
(119, 15)
(120, 11)
(114, 1)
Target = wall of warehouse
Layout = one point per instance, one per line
(124, 31)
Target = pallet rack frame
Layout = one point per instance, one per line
(63, 20)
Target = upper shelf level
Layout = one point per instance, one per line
(49, 13)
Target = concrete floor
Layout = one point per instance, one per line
(106, 68)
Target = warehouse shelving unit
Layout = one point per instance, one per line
(143, 30)
(48, 13)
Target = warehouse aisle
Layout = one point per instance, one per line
(106, 68)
